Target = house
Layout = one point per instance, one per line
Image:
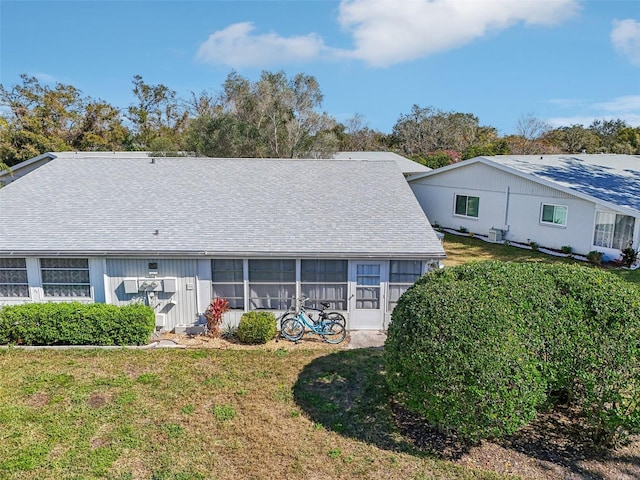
(587, 202)
(176, 232)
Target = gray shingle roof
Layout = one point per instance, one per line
(95, 204)
(610, 179)
(406, 165)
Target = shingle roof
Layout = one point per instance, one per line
(606, 178)
(95, 204)
(406, 165)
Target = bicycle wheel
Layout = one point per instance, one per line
(292, 329)
(333, 332)
(336, 317)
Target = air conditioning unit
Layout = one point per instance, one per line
(495, 235)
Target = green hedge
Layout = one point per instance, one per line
(76, 324)
(479, 347)
(257, 327)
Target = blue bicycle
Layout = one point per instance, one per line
(331, 328)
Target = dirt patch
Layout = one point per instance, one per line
(553, 446)
(202, 341)
(38, 400)
(98, 400)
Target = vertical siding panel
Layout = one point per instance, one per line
(183, 312)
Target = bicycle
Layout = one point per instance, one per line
(329, 325)
(322, 314)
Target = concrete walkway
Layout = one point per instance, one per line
(367, 338)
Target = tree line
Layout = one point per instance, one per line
(274, 117)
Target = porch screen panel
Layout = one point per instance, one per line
(368, 286)
(13, 278)
(325, 281)
(65, 277)
(228, 281)
(272, 284)
(402, 274)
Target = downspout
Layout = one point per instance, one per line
(506, 209)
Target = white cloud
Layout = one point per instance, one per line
(625, 108)
(238, 46)
(45, 77)
(385, 32)
(621, 104)
(388, 31)
(625, 37)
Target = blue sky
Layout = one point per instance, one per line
(565, 61)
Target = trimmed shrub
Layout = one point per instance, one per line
(477, 348)
(256, 327)
(76, 324)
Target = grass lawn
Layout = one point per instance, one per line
(203, 414)
(462, 249)
(261, 413)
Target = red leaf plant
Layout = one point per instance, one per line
(213, 314)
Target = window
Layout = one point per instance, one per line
(65, 277)
(467, 206)
(272, 283)
(368, 283)
(325, 281)
(228, 281)
(402, 274)
(13, 277)
(613, 231)
(554, 214)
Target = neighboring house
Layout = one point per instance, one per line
(176, 232)
(408, 166)
(587, 202)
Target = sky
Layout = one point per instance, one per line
(563, 61)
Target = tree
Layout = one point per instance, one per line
(426, 130)
(273, 117)
(41, 119)
(529, 139)
(573, 139)
(157, 113)
(607, 131)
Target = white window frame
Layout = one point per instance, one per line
(466, 209)
(4, 268)
(608, 237)
(553, 223)
(335, 303)
(403, 286)
(45, 284)
(286, 288)
(235, 283)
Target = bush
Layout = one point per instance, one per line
(472, 353)
(256, 327)
(629, 257)
(76, 324)
(567, 249)
(595, 257)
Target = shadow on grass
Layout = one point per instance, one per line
(346, 392)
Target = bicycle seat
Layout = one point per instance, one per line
(325, 305)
